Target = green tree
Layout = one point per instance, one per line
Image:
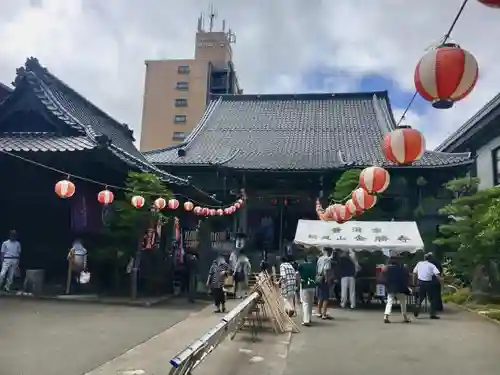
(470, 235)
(127, 223)
(347, 182)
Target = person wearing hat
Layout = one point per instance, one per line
(427, 275)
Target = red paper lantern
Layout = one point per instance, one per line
(374, 179)
(233, 209)
(227, 211)
(160, 203)
(342, 213)
(197, 210)
(65, 189)
(240, 201)
(220, 212)
(204, 211)
(446, 75)
(188, 206)
(404, 146)
(351, 206)
(212, 212)
(362, 200)
(173, 204)
(237, 205)
(137, 201)
(491, 3)
(105, 197)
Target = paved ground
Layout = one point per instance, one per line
(358, 342)
(68, 338)
(49, 338)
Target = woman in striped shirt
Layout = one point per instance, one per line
(217, 274)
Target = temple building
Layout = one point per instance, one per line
(287, 150)
(43, 121)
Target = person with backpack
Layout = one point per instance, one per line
(395, 277)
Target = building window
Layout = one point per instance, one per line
(181, 102)
(180, 119)
(182, 85)
(178, 136)
(495, 156)
(183, 69)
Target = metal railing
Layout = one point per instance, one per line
(189, 358)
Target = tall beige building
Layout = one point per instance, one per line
(176, 92)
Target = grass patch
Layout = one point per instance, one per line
(464, 297)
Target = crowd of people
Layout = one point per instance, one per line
(312, 280)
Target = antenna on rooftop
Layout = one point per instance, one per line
(200, 21)
(212, 14)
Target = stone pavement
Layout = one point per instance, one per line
(358, 342)
(67, 338)
(238, 357)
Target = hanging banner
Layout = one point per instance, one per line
(399, 236)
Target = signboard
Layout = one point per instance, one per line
(400, 236)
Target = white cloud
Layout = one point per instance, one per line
(99, 47)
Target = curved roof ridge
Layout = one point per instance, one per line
(206, 115)
(45, 95)
(33, 64)
(471, 122)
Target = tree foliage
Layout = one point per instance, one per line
(127, 223)
(347, 182)
(472, 233)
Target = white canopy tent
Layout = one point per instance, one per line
(385, 236)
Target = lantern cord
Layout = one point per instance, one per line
(444, 40)
(114, 187)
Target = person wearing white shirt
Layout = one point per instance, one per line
(10, 253)
(427, 275)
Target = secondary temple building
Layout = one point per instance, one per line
(43, 120)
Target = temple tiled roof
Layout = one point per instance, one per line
(294, 132)
(93, 127)
(43, 142)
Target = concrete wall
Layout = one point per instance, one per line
(484, 163)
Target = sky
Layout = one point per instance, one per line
(282, 46)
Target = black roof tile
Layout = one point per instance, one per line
(85, 118)
(43, 142)
(293, 132)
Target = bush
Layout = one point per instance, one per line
(460, 297)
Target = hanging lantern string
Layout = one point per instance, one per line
(443, 40)
(106, 186)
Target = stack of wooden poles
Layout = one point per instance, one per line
(272, 304)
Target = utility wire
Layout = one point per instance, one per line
(443, 41)
(96, 182)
